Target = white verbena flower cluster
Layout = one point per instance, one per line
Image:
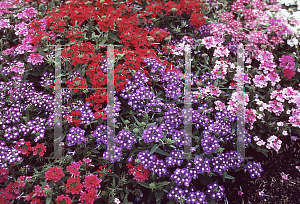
(293, 42)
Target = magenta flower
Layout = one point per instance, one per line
(240, 193)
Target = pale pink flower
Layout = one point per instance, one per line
(260, 81)
(261, 193)
(35, 58)
(219, 105)
(273, 77)
(4, 23)
(221, 52)
(209, 42)
(276, 107)
(285, 133)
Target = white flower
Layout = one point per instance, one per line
(293, 42)
(117, 201)
(280, 123)
(255, 138)
(261, 108)
(285, 133)
(260, 143)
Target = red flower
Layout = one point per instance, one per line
(63, 199)
(89, 197)
(289, 73)
(91, 182)
(39, 149)
(54, 174)
(73, 186)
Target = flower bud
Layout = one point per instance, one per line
(173, 9)
(136, 130)
(143, 124)
(126, 122)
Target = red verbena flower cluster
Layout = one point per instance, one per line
(74, 186)
(54, 174)
(25, 148)
(63, 199)
(138, 171)
(74, 167)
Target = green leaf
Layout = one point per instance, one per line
(160, 151)
(40, 51)
(113, 37)
(158, 195)
(150, 196)
(146, 185)
(153, 148)
(136, 120)
(161, 184)
(48, 200)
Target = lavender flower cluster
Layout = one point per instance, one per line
(202, 31)
(152, 163)
(101, 134)
(7, 154)
(86, 112)
(137, 92)
(201, 164)
(116, 156)
(210, 144)
(76, 136)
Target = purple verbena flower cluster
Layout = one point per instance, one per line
(254, 169)
(115, 156)
(224, 161)
(210, 144)
(216, 191)
(47, 79)
(125, 140)
(152, 133)
(76, 136)
(184, 176)
(201, 164)
(7, 154)
(174, 159)
(152, 163)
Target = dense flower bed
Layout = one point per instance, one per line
(150, 40)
